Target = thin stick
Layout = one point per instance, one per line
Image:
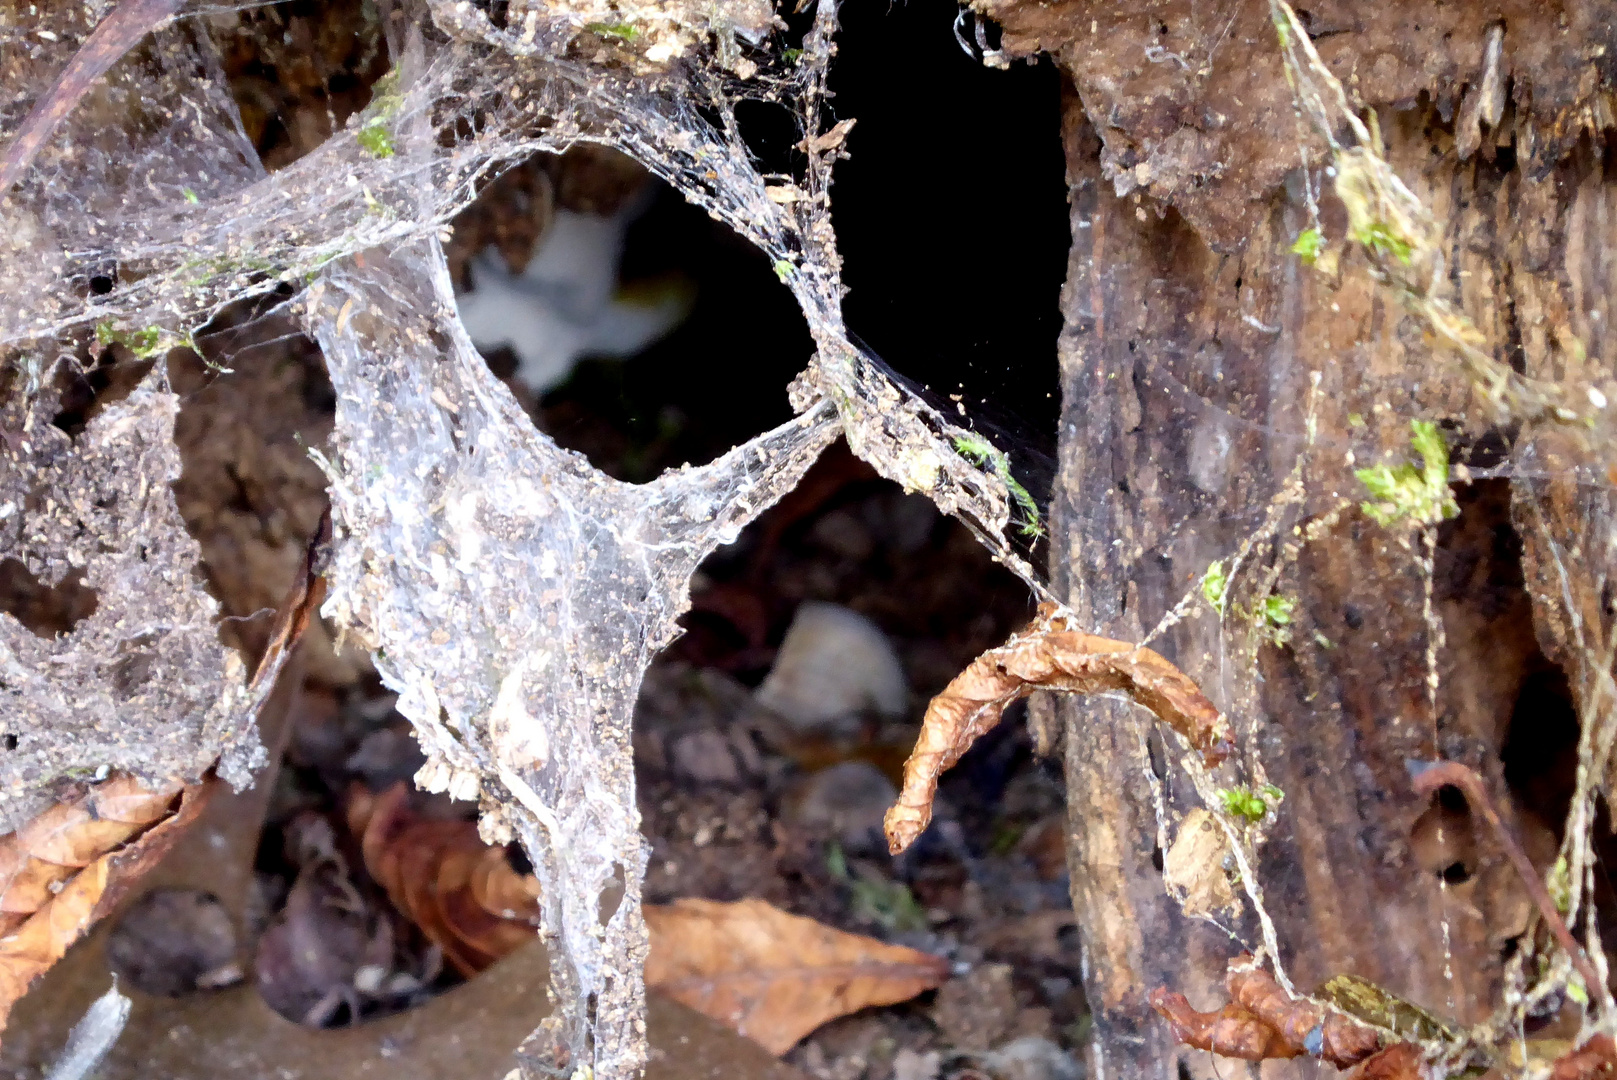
(119, 32)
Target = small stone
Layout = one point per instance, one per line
(834, 665)
(705, 757)
(978, 1010)
(909, 1065)
(1031, 1058)
(846, 801)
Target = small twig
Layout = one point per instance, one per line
(119, 32)
(1452, 773)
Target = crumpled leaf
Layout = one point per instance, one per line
(773, 976)
(1263, 1021)
(1048, 654)
(65, 839)
(461, 892)
(97, 859)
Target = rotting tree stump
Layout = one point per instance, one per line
(1193, 338)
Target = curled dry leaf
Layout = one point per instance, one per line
(1048, 654)
(1400, 1061)
(1263, 1021)
(461, 892)
(773, 976)
(66, 868)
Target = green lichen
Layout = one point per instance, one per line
(1243, 802)
(1310, 242)
(1216, 585)
(984, 454)
(1404, 492)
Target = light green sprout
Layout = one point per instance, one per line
(145, 343)
(190, 196)
(1310, 242)
(784, 268)
(1243, 802)
(1404, 492)
(984, 454)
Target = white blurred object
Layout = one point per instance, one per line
(92, 1037)
(834, 665)
(567, 303)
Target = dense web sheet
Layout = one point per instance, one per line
(512, 594)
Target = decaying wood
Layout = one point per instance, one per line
(1262, 1021)
(1191, 336)
(1047, 654)
(65, 869)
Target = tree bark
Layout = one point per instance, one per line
(1196, 346)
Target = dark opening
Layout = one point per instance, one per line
(46, 610)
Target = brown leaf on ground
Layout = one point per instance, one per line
(772, 976)
(1263, 1021)
(66, 868)
(1047, 654)
(461, 892)
(1595, 1058)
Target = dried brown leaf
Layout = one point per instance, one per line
(1230, 1032)
(1315, 1029)
(64, 839)
(138, 827)
(1047, 654)
(1263, 1021)
(1400, 1061)
(461, 892)
(773, 976)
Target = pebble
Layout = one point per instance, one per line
(1031, 1058)
(834, 666)
(847, 801)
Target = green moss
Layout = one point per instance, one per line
(1379, 237)
(1404, 492)
(984, 454)
(1308, 245)
(1243, 802)
(621, 30)
(375, 138)
(1216, 585)
(1273, 616)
